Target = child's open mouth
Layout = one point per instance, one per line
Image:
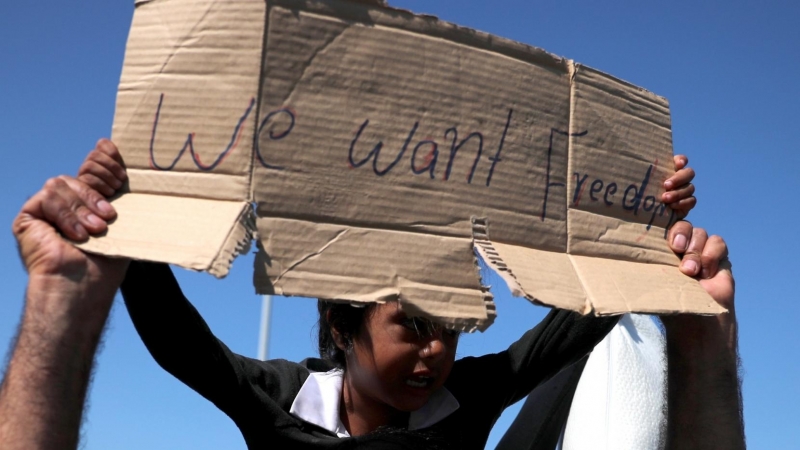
(419, 382)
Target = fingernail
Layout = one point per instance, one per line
(679, 242)
(80, 232)
(690, 265)
(105, 207)
(668, 184)
(704, 273)
(94, 220)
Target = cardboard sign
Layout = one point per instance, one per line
(381, 149)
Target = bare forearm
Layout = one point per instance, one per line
(705, 406)
(44, 389)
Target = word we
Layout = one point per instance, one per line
(234, 141)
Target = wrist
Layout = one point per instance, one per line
(702, 339)
(64, 305)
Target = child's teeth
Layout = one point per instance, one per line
(418, 384)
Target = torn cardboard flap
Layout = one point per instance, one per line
(209, 241)
(382, 149)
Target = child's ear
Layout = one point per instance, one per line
(338, 339)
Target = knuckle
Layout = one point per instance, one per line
(102, 144)
(90, 165)
(96, 159)
(53, 184)
(82, 211)
(707, 259)
(64, 180)
(717, 241)
(17, 225)
(65, 216)
(83, 169)
(85, 192)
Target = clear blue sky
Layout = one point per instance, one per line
(729, 69)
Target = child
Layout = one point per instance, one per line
(384, 379)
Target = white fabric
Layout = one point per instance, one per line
(619, 402)
(317, 402)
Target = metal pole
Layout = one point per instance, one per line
(263, 333)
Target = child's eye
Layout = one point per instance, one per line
(425, 328)
(414, 324)
(452, 333)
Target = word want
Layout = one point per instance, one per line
(431, 158)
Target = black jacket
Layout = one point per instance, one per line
(257, 395)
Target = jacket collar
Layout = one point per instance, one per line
(317, 402)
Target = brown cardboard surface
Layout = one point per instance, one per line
(216, 233)
(382, 149)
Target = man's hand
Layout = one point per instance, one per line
(706, 258)
(67, 205)
(705, 406)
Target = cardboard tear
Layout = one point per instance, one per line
(237, 243)
(376, 145)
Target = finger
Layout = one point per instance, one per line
(92, 199)
(681, 177)
(691, 264)
(116, 168)
(683, 207)
(57, 204)
(97, 184)
(107, 147)
(714, 252)
(680, 161)
(680, 193)
(108, 179)
(679, 236)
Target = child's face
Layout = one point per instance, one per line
(397, 361)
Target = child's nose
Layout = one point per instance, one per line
(434, 348)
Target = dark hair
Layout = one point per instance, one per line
(346, 319)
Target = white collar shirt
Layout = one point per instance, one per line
(317, 402)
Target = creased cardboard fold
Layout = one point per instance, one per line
(382, 150)
(197, 234)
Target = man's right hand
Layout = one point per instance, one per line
(76, 209)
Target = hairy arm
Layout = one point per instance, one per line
(44, 389)
(67, 301)
(704, 394)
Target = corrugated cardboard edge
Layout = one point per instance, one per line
(237, 243)
(485, 248)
